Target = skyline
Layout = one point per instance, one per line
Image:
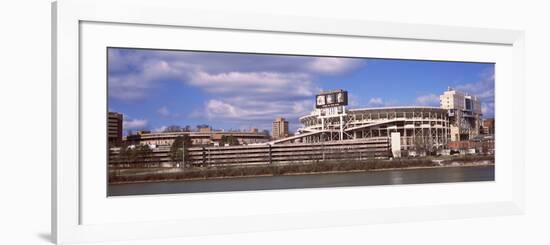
(158, 88)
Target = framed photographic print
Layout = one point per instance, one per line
(171, 122)
(258, 128)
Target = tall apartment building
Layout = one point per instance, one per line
(464, 114)
(114, 128)
(280, 128)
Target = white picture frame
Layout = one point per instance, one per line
(67, 173)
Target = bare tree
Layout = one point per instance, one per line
(179, 147)
(173, 128)
(423, 145)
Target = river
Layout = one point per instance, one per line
(386, 177)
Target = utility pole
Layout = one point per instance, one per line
(183, 156)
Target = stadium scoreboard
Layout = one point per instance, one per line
(331, 99)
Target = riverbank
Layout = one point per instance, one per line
(206, 173)
(447, 174)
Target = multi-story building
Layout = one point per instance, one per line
(280, 128)
(464, 114)
(488, 126)
(114, 128)
(201, 138)
(205, 129)
(479, 144)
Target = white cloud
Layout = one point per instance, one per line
(353, 101)
(376, 101)
(484, 89)
(165, 112)
(488, 109)
(242, 87)
(256, 84)
(133, 124)
(260, 111)
(132, 74)
(379, 102)
(220, 109)
(428, 100)
(329, 65)
(133, 86)
(255, 96)
(160, 129)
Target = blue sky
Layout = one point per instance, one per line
(158, 88)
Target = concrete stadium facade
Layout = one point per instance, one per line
(416, 125)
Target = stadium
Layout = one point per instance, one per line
(426, 124)
(418, 126)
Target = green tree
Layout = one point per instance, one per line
(143, 154)
(138, 154)
(123, 153)
(179, 147)
(230, 140)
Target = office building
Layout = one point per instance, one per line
(280, 128)
(114, 128)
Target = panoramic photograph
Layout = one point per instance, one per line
(182, 121)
